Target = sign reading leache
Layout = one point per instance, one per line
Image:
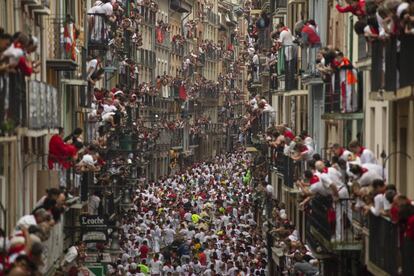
(94, 228)
(92, 221)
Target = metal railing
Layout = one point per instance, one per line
(332, 220)
(281, 4)
(212, 17)
(214, 128)
(177, 49)
(383, 65)
(383, 244)
(177, 137)
(148, 15)
(59, 48)
(98, 35)
(209, 93)
(164, 40)
(287, 66)
(33, 104)
(406, 63)
(290, 169)
(341, 97)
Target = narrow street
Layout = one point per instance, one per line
(206, 137)
(198, 222)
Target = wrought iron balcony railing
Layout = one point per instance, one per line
(287, 67)
(177, 49)
(390, 71)
(99, 31)
(330, 223)
(383, 244)
(340, 95)
(177, 138)
(30, 104)
(61, 52)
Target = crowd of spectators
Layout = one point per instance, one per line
(24, 249)
(349, 182)
(197, 222)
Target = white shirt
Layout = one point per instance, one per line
(318, 188)
(286, 38)
(71, 255)
(378, 204)
(367, 156)
(325, 180)
(107, 9)
(156, 267)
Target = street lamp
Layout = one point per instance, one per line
(385, 158)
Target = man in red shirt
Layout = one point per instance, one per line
(309, 35)
(144, 250)
(356, 7)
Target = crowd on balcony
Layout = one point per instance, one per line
(23, 250)
(197, 222)
(349, 182)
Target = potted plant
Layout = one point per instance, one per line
(7, 127)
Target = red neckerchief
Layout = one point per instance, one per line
(341, 151)
(361, 151)
(18, 45)
(314, 179)
(285, 29)
(303, 148)
(325, 170)
(363, 170)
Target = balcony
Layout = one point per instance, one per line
(288, 168)
(383, 252)
(278, 6)
(180, 6)
(194, 140)
(208, 96)
(163, 40)
(343, 102)
(334, 234)
(146, 58)
(212, 17)
(148, 16)
(41, 7)
(177, 138)
(30, 104)
(98, 35)
(386, 82)
(287, 68)
(177, 49)
(62, 55)
(215, 129)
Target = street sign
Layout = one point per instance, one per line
(94, 228)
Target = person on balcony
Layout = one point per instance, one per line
(340, 152)
(70, 34)
(366, 155)
(286, 41)
(60, 155)
(356, 7)
(347, 80)
(255, 66)
(379, 188)
(363, 175)
(343, 206)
